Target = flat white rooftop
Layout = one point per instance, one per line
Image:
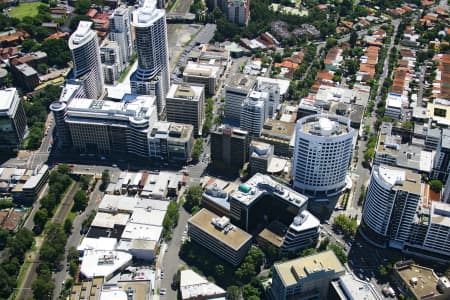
(103, 263)
(102, 243)
(134, 231)
(6, 99)
(193, 286)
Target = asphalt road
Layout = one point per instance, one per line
(172, 261)
(75, 238)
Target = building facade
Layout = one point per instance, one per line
(185, 103)
(390, 207)
(307, 277)
(152, 75)
(254, 113)
(112, 64)
(120, 32)
(202, 74)
(322, 153)
(239, 11)
(236, 91)
(229, 147)
(83, 44)
(171, 142)
(13, 121)
(219, 236)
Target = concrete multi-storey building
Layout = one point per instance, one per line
(83, 44)
(441, 168)
(239, 11)
(260, 156)
(322, 154)
(13, 121)
(171, 142)
(307, 277)
(208, 75)
(236, 91)
(273, 90)
(302, 233)
(120, 32)
(111, 127)
(261, 199)
(390, 207)
(152, 74)
(112, 65)
(219, 236)
(229, 147)
(279, 134)
(254, 112)
(185, 103)
(430, 233)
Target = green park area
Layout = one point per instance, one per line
(25, 10)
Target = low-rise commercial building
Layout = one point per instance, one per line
(307, 277)
(219, 236)
(279, 134)
(202, 74)
(350, 287)
(171, 142)
(196, 287)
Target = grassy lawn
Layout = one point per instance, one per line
(25, 9)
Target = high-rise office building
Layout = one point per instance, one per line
(390, 207)
(83, 44)
(322, 154)
(236, 91)
(13, 121)
(254, 112)
(229, 147)
(112, 65)
(441, 168)
(185, 104)
(152, 74)
(238, 11)
(120, 32)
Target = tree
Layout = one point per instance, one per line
(219, 271)
(43, 288)
(42, 68)
(64, 169)
(435, 185)
(80, 200)
(84, 181)
(250, 292)
(40, 218)
(234, 293)
(28, 44)
(198, 148)
(4, 235)
(193, 197)
(324, 244)
(82, 6)
(76, 19)
(353, 38)
(68, 226)
(58, 52)
(341, 255)
(105, 180)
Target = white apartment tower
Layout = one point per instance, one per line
(152, 74)
(83, 44)
(254, 113)
(390, 207)
(120, 32)
(322, 153)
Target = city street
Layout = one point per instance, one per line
(75, 238)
